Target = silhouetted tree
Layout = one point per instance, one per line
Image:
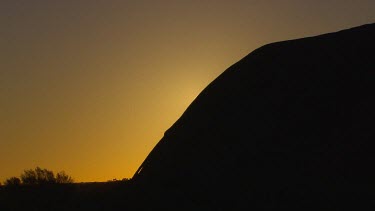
(13, 181)
(45, 176)
(29, 177)
(38, 176)
(62, 178)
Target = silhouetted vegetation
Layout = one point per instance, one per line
(13, 181)
(62, 178)
(39, 176)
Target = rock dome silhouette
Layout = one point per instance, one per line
(289, 125)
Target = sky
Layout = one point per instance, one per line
(89, 87)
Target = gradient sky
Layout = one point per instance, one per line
(89, 87)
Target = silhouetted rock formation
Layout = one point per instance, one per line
(289, 125)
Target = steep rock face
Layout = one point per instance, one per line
(291, 124)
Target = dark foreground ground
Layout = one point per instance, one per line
(77, 196)
(127, 196)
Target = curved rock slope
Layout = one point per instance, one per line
(289, 125)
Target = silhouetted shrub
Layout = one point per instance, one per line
(29, 177)
(13, 181)
(63, 178)
(38, 176)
